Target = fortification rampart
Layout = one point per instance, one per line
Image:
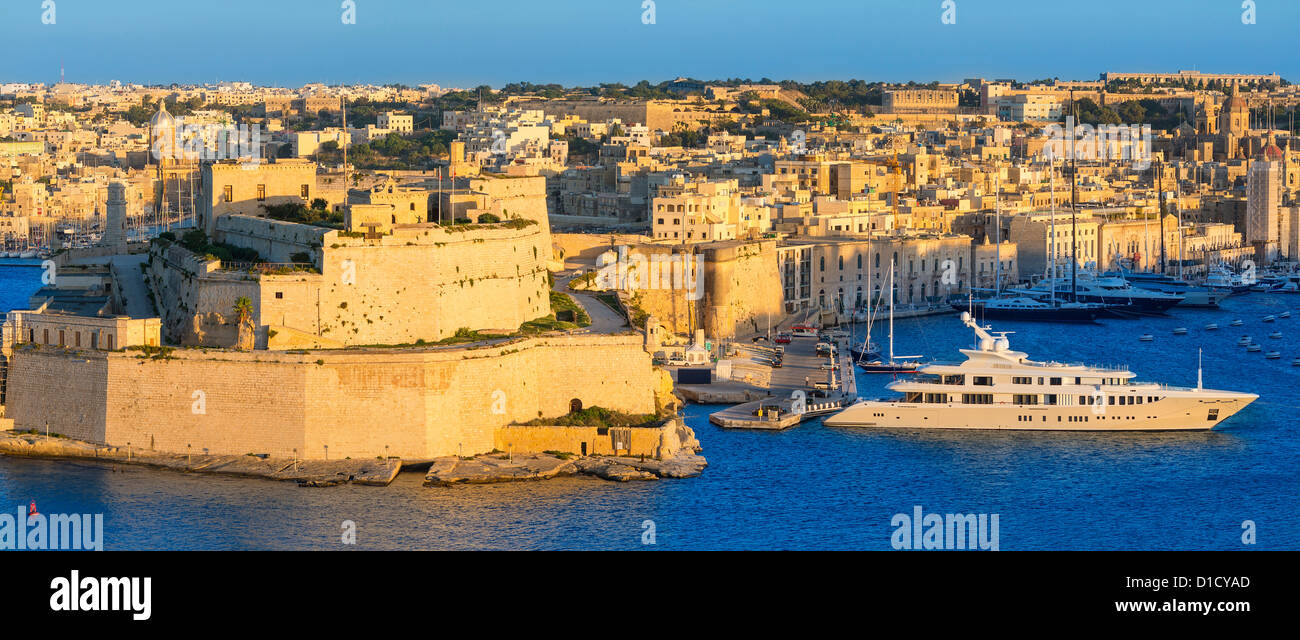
(421, 282)
(413, 403)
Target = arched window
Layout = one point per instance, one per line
(859, 261)
(877, 260)
(575, 405)
(841, 263)
(821, 262)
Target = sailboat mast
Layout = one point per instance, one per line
(1051, 278)
(997, 223)
(1074, 225)
(1160, 178)
(891, 313)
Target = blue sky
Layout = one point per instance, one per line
(471, 42)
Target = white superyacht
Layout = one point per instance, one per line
(997, 388)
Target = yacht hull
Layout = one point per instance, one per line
(885, 367)
(1171, 413)
(1053, 314)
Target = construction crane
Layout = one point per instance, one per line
(896, 185)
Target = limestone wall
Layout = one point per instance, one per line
(422, 282)
(359, 403)
(425, 282)
(194, 300)
(661, 441)
(274, 240)
(738, 291)
(585, 247)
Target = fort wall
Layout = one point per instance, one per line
(413, 403)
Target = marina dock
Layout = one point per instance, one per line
(801, 389)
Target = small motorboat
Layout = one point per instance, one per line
(1180, 331)
(1146, 337)
(1235, 323)
(1273, 355)
(1269, 318)
(1284, 314)
(1275, 335)
(1296, 362)
(1254, 348)
(1244, 341)
(1211, 327)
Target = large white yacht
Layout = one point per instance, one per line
(997, 388)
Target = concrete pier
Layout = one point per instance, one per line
(802, 389)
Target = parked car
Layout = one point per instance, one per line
(783, 338)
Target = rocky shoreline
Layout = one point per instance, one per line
(499, 467)
(308, 473)
(485, 468)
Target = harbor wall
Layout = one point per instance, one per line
(416, 404)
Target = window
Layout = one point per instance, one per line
(261, 192)
(983, 381)
(1049, 398)
(977, 398)
(279, 295)
(1022, 380)
(957, 380)
(1024, 398)
(228, 192)
(1056, 382)
(305, 191)
(936, 398)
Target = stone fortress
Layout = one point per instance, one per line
(327, 345)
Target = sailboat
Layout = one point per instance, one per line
(1025, 307)
(895, 364)
(868, 352)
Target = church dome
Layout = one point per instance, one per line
(162, 135)
(1235, 103)
(162, 119)
(1272, 152)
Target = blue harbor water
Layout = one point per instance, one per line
(811, 487)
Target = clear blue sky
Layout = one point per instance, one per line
(471, 42)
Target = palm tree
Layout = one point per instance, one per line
(244, 313)
(243, 308)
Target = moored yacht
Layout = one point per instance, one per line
(1026, 308)
(1193, 296)
(997, 388)
(1119, 296)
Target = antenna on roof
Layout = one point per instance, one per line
(1198, 369)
